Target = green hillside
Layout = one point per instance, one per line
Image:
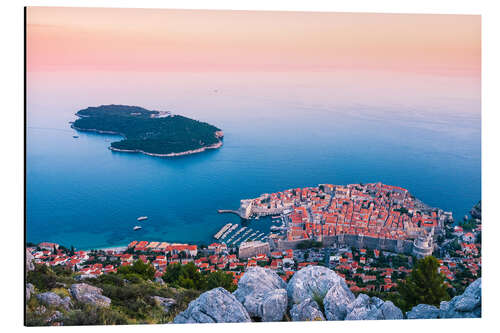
(147, 131)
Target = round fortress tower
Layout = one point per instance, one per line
(423, 246)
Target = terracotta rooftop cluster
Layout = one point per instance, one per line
(376, 210)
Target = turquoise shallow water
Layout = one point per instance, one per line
(80, 193)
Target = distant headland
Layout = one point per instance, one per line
(155, 133)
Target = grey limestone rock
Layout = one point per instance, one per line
(165, 303)
(53, 300)
(30, 290)
(423, 311)
(467, 305)
(308, 310)
(390, 311)
(214, 306)
(274, 305)
(88, 294)
(366, 308)
(29, 261)
(312, 282)
(55, 316)
(336, 301)
(262, 293)
(359, 308)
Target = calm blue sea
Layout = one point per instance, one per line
(80, 193)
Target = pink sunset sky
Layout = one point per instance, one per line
(155, 40)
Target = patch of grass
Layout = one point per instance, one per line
(91, 315)
(131, 302)
(319, 299)
(61, 292)
(183, 297)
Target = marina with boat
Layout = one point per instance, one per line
(233, 234)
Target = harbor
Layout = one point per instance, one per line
(222, 231)
(233, 234)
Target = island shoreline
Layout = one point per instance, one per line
(187, 152)
(218, 134)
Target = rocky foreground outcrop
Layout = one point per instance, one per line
(30, 290)
(29, 261)
(51, 299)
(313, 293)
(467, 305)
(263, 294)
(313, 282)
(214, 306)
(87, 294)
(423, 311)
(372, 308)
(307, 310)
(165, 303)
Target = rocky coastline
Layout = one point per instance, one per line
(187, 152)
(218, 134)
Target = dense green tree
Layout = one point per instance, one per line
(172, 273)
(425, 285)
(141, 269)
(399, 260)
(185, 276)
(188, 276)
(455, 245)
(468, 225)
(62, 270)
(112, 279)
(220, 279)
(42, 277)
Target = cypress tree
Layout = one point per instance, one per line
(425, 285)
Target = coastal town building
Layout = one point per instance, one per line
(246, 208)
(365, 270)
(423, 246)
(366, 266)
(374, 215)
(48, 246)
(251, 249)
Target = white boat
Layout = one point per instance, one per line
(137, 228)
(142, 218)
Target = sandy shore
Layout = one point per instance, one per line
(114, 248)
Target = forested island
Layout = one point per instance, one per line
(156, 133)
